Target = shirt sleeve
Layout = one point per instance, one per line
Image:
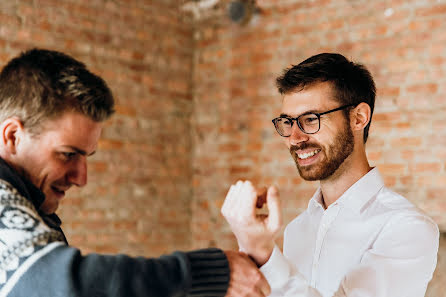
(65, 272)
(401, 262)
(36, 261)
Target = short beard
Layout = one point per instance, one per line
(336, 155)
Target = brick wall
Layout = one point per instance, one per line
(138, 197)
(195, 100)
(403, 43)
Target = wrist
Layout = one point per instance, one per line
(259, 254)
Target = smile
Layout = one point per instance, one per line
(307, 155)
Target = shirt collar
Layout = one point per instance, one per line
(316, 201)
(357, 196)
(27, 190)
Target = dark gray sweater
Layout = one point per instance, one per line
(35, 259)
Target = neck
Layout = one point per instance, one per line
(350, 171)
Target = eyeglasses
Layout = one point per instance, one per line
(309, 122)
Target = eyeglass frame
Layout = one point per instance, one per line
(318, 114)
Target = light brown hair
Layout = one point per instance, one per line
(42, 84)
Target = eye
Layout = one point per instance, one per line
(68, 155)
(310, 120)
(286, 122)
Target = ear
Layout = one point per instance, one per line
(360, 116)
(11, 130)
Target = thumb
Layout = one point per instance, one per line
(275, 214)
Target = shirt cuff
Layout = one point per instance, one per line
(277, 269)
(210, 272)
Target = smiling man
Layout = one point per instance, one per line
(52, 111)
(357, 237)
(60, 162)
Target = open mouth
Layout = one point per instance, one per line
(306, 155)
(59, 192)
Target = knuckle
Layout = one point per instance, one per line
(258, 278)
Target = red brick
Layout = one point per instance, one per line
(388, 91)
(431, 11)
(225, 148)
(427, 167)
(407, 155)
(388, 116)
(406, 141)
(392, 169)
(374, 156)
(110, 144)
(429, 88)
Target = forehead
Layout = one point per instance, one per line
(72, 129)
(316, 97)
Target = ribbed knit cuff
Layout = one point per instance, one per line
(210, 272)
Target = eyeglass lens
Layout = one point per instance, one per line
(308, 123)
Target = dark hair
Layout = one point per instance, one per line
(351, 82)
(42, 84)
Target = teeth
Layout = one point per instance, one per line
(307, 155)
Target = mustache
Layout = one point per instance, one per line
(302, 146)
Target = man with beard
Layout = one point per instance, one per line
(357, 237)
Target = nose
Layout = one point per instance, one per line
(297, 135)
(78, 175)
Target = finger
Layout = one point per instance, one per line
(258, 292)
(237, 189)
(248, 203)
(227, 203)
(238, 198)
(234, 198)
(265, 288)
(262, 284)
(273, 203)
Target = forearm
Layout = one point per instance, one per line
(65, 272)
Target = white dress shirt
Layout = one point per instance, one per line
(371, 242)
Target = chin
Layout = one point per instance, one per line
(48, 209)
(315, 174)
(310, 177)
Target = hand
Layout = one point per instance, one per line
(246, 279)
(255, 233)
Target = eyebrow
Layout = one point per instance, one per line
(79, 151)
(307, 112)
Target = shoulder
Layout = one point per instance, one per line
(393, 200)
(400, 208)
(24, 236)
(408, 227)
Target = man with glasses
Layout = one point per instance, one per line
(357, 237)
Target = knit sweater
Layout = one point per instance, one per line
(36, 260)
